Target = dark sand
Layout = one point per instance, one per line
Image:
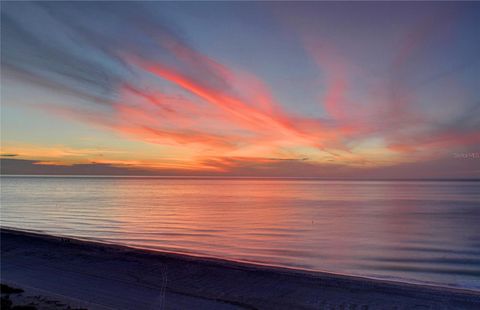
(98, 276)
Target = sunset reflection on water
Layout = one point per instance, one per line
(418, 231)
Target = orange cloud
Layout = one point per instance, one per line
(226, 117)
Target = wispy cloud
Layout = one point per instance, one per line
(136, 74)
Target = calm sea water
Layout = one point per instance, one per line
(398, 230)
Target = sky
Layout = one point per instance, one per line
(269, 89)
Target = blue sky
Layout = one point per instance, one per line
(328, 89)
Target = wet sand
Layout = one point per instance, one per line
(101, 276)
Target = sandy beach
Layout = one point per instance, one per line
(64, 272)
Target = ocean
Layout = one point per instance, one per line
(410, 231)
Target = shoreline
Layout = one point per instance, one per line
(173, 279)
(241, 263)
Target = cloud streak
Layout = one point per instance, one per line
(131, 71)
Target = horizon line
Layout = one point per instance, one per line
(236, 177)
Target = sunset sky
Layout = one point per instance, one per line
(342, 90)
